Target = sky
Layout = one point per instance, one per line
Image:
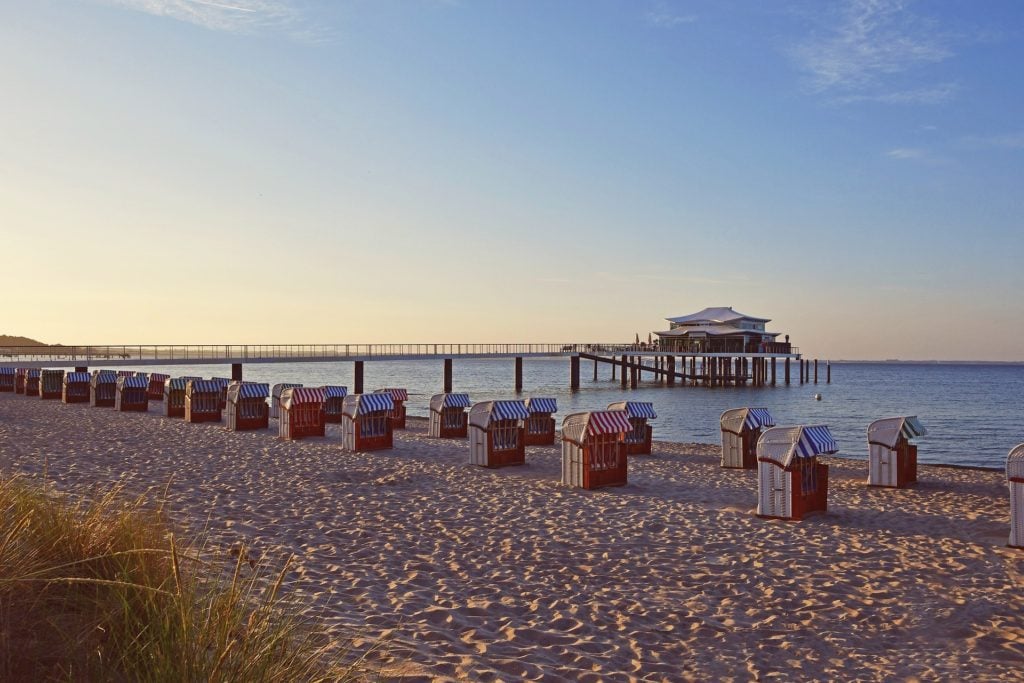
(417, 171)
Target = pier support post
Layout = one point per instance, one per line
(574, 373)
(519, 373)
(595, 370)
(357, 376)
(815, 370)
(81, 368)
(786, 371)
(447, 375)
(773, 371)
(624, 379)
(634, 375)
(670, 365)
(828, 372)
(236, 372)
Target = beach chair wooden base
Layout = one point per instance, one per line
(196, 417)
(544, 437)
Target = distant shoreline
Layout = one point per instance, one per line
(897, 361)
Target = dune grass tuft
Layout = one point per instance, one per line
(99, 589)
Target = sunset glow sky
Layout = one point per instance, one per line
(276, 171)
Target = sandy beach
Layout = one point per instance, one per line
(468, 573)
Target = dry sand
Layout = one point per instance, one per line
(476, 574)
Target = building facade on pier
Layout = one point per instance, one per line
(720, 330)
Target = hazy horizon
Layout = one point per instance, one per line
(266, 171)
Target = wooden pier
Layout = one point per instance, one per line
(628, 361)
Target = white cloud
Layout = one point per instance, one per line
(866, 45)
(234, 16)
(662, 16)
(907, 153)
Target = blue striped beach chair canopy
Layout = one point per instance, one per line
(77, 378)
(133, 382)
(223, 382)
(8, 371)
(334, 392)
(241, 390)
(887, 431)
(279, 388)
(638, 409)
(439, 401)
(541, 405)
(176, 383)
(32, 372)
(202, 386)
(782, 445)
(142, 374)
(104, 377)
(484, 413)
(361, 404)
(738, 419)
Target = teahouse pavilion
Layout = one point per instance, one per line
(720, 330)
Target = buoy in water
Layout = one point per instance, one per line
(817, 397)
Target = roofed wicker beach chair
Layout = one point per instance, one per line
(51, 384)
(275, 397)
(247, 407)
(398, 396)
(448, 416)
(496, 433)
(76, 387)
(594, 448)
(103, 388)
(892, 459)
(366, 422)
(334, 397)
(302, 413)
(132, 394)
(1015, 480)
(638, 439)
(202, 401)
(791, 482)
(539, 427)
(8, 379)
(741, 428)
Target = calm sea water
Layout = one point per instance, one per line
(974, 413)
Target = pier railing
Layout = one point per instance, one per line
(123, 354)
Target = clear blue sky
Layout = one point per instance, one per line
(418, 171)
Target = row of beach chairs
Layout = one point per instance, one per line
(595, 444)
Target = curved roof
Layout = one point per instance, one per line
(887, 431)
(718, 314)
(782, 445)
(482, 414)
(738, 419)
(1015, 465)
(360, 404)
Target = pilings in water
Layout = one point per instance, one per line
(357, 377)
(519, 374)
(574, 373)
(447, 375)
(236, 372)
(710, 371)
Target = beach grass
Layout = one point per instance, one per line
(100, 589)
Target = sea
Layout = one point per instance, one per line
(974, 413)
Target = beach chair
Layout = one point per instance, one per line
(132, 394)
(302, 413)
(156, 386)
(638, 439)
(103, 389)
(791, 483)
(247, 407)
(1015, 480)
(539, 427)
(741, 428)
(275, 398)
(174, 396)
(202, 400)
(32, 382)
(51, 384)
(398, 397)
(76, 387)
(594, 448)
(19, 380)
(223, 383)
(8, 380)
(366, 422)
(448, 416)
(334, 397)
(892, 459)
(496, 433)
